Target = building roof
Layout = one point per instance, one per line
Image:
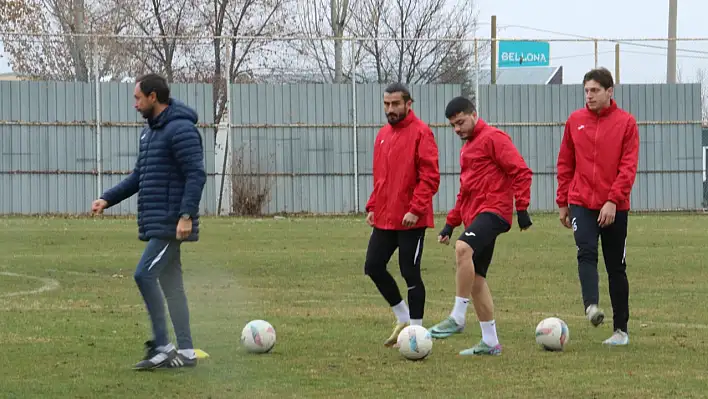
(524, 76)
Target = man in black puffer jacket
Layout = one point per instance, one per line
(169, 178)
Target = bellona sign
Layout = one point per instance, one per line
(515, 54)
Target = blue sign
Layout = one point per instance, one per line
(514, 54)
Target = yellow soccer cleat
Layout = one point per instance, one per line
(393, 339)
(201, 354)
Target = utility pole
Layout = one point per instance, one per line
(617, 63)
(494, 50)
(671, 54)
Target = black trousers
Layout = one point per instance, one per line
(613, 237)
(382, 245)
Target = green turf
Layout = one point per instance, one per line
(305, 277)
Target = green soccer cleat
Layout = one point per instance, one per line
(446, 328)
(482, 349)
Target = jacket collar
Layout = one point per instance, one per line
(605, 111)
(478, 127)
(159, 121)
(406, 121)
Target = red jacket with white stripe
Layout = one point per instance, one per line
(493, 175)
(406, 174)
(598, 158)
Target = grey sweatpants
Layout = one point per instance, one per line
(160, 270)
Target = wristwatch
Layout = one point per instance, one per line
(185, 216)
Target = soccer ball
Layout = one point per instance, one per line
(258, 336)
(552, 334)
(415, 342)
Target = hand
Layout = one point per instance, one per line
(370, 219)
(607, 214)
(445, 233)
(524, 220)
(409, 220)
(564, 215)
(98, 206)
(184, 228)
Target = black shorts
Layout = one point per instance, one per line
(481, 235)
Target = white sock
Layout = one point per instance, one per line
(166, 348)
(401, 312)
(416, 322)
(489, 332)
(460, 310)
(188, 353)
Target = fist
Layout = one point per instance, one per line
(370, 219)
(98, 206)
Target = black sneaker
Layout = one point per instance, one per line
(150, 349)
(156, 359)
(180, 361)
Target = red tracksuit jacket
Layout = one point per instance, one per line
(406, 174)
(493, 175)
(598, 157)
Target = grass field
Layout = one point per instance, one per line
(79, 339)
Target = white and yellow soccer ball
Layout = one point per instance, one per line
(415, 342)
(552, 334)
(258, 336)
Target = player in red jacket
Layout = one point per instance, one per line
(597, 166)
(406, 177)
(493, 176)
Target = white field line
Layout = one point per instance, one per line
(49, 285)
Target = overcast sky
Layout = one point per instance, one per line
(599, 18)
(608, 19)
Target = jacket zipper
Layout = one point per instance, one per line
(594, 158)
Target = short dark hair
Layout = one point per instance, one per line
(459, 105)
(399, 88)
(153, 82)
(601, 75)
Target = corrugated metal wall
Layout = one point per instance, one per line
(299, 140)
(48, 143)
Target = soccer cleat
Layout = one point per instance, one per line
(180, 361)
(446, 328)
(482, 349)
(155, 358)
(618, 338)
(393, 339)
(595, 315)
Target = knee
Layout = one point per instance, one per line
(142, 276)
(373, 269)
(412, 276)
(587, 252)
(463, 250)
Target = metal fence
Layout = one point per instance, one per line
(299, 141)
(281, 136)
(63, 143)
(308, 147)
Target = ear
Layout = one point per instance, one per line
(611, 90)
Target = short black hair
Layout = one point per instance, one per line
(399, 88)
(459, 105)
(153, 82)
(601, 75)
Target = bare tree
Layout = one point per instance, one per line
(62, 50)
(702, 78)
(325, 18)
(244, 58)
(161, 22)
(415, 61)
